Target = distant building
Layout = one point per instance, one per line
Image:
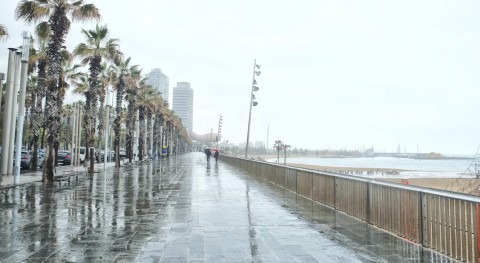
(183, 104)
(159, 81)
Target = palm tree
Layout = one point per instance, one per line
(159, 108)
(68, 74)
(98, 46)
(38, 57)
(131, 97)
(145, 101)
(123, 74)
(156, 101)
(3, 32)
(105, 81)
(57, 12)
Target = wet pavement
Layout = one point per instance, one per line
(185, 210)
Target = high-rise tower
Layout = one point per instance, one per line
(159, 81)
(183, 104)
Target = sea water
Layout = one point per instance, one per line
(448, 168)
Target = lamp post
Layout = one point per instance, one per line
(219, 128)
(12, 57)
(74, 135)
(285, 147)
(2, 78)
(106, 153)
(21, 103)
(13, 112)
(256, 71)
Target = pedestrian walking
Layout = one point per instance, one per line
(208, 152)
(216, 154)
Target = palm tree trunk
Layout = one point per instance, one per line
(131, 124)
(149, 141)
(101, 115)
(94, 83)
(117, 128)
(33, 128)
(86, 125)
(59, 26)
(142, 133)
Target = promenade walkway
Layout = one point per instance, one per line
(185, 210)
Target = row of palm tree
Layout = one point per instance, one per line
(53, 71)
(3, 32)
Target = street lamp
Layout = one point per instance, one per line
(106, 154)
(285, 147)
(6, 157)
(21, 103)
(219, 128)
(2, 78)
(256, 72)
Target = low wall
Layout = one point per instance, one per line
(444, 221)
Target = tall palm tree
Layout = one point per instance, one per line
(145, 103)
(155, 101)
(131, 97)
(97, 47)
(30, 103)
(159, 108)
(57, 12)
(38, 57)
(123, 74)
(69, 73)
(105, 81)
(3, 32)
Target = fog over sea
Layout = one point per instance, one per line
(415, 168)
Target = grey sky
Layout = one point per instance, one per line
(335, 74)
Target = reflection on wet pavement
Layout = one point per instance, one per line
(185, 210)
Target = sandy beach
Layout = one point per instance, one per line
(457, 184)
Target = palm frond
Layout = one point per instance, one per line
(42, 30)
(3, 32)
(86, 12)
(31, 10)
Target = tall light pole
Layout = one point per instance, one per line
(21, 103)
(106, 154)
(13, 111)
(219, 128)
(256, 71)
(285, 147)
(2, 78)
(6, 157)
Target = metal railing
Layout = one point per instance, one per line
(443, 221)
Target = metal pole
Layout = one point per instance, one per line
(6, 116)
(2, 78)
(137, 131)
(151, 136)
(268, 133)
(105, 153)
(79, 133)
(21, 104)
(13, 114)
(250, 112)
(74, 137)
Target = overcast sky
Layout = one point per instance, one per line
(335, 74)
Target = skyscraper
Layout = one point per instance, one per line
(159, 81)
(183, 104)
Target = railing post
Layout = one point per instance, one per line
(367, 217)
(335, 193)
(423, 235)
